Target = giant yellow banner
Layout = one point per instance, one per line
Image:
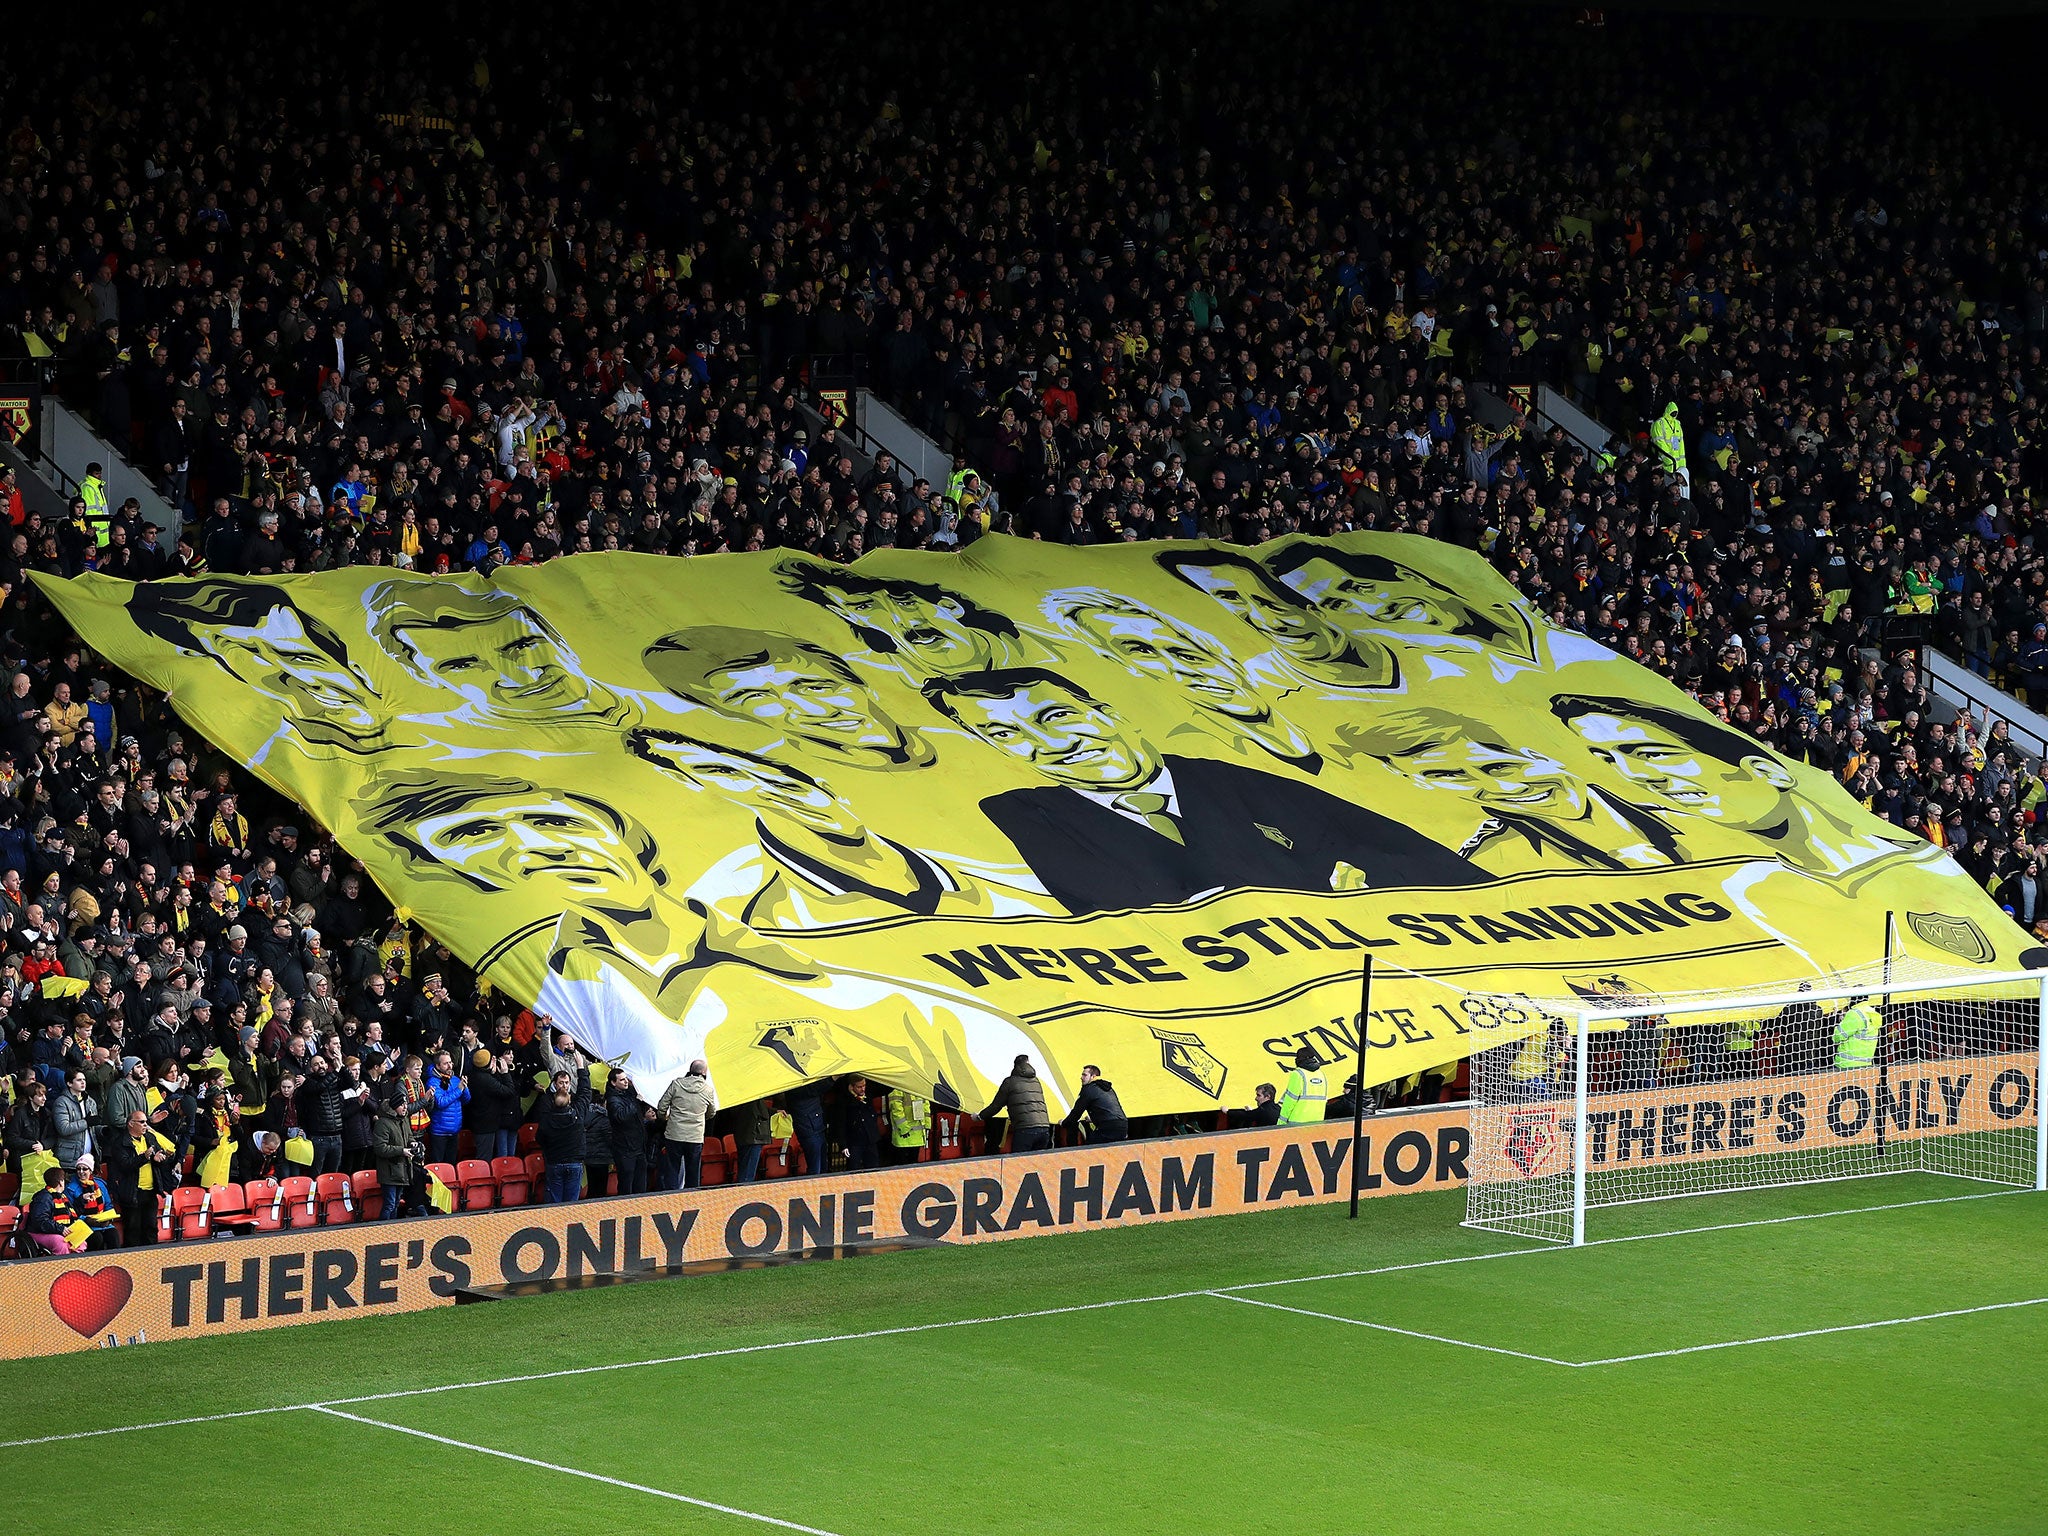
(1141, 806)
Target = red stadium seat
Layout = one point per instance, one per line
(266, 1206)
(775, 1160)
(718, 1163)
(450, 1181)
(230, 1209)
(300, 1209)
(335, 1199)
(191, 1212)
(515, 1184)
(479, 1189)
(10, 1223)
(536, 1168)
(368, 1192)
(529, 1138)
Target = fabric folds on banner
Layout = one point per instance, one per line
(1140, 806)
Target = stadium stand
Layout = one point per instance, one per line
(1177, 281)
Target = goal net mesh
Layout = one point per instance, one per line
(1904, 1067)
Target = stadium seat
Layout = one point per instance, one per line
(368, 1192)
(479, 1189)
(266, 1206)
(515, 1185)
(450, 1181)
(10, 1186)
(10, 1223)
(536, 1169)
(191, 1212)
(529, 1139)
(335, 1199)
(230, 1210)
(775, 1159)
(717, 1166)
(299, 1207)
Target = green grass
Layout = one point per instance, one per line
(1191, 1415)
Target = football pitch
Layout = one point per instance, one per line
(1870, 1356)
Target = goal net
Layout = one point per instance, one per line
(1617, 1097)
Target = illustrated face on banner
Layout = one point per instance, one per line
(1269, 608)
(499, 655)
(1300, 633)
(1152, 645)
(768, 788)
(1051, 724)
(1500, 778)
(931, 630)
(787, 685)
(1371, 592)
(263, 640)
(1695, 767)
(503, 834)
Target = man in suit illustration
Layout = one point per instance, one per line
(1123, 825)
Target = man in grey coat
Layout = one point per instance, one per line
(74, 1115)
(128, 1094)
(1023, 1096)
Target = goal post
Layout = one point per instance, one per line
(1615, 1097)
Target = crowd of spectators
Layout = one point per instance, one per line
(1232, 272)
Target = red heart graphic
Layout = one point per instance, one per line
(87, 1301)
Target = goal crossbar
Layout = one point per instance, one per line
(1730, 1002)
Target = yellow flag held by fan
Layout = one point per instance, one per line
(439, 1195)
(1141, 806)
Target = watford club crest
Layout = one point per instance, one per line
(1189, 1060)
(1532, 1141)
(1612, 989)
(1957, 935)
(802, 1045)
(17, 417)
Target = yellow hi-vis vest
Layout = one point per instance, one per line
(910, 1119)
(93, 492)
(1669, 438)
(1303, 1098)
(1856, 1033)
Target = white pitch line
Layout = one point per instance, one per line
(964, 1322)
(613, 1365)
(1779, 1221)
(122, 1429)
(1390, 1269)
(1359, 1322)
(1634, 1237)
(1812, 1333)
(595, 1477)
